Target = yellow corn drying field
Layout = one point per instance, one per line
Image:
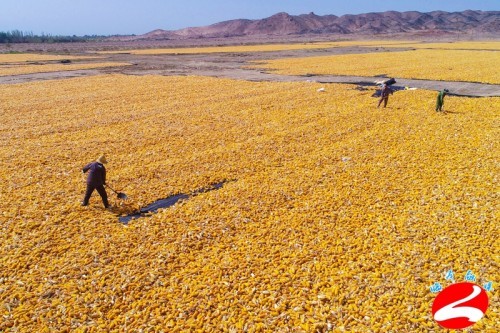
(338, 216)
(260, 47)
(45, 68)
(231, 49)
(314, 45)
(451, 45)
(448, 65)
(30, 57)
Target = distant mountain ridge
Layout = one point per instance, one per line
(389, 22)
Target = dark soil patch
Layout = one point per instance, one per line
(166, 203)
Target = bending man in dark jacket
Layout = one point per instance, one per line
(384, 95)
(96, 180)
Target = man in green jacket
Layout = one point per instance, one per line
(440, 100)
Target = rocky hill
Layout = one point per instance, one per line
(391, 22)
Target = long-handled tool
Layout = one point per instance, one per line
(119, 194)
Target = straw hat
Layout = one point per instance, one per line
(102, 159)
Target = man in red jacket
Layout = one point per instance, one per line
(96, 180)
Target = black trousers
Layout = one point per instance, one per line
(102, 192)
(385, 99)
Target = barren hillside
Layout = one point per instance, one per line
(391, 22)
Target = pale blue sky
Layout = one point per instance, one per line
(107, 17)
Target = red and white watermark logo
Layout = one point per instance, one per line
(460, 305)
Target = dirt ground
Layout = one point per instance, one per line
(226, 65)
